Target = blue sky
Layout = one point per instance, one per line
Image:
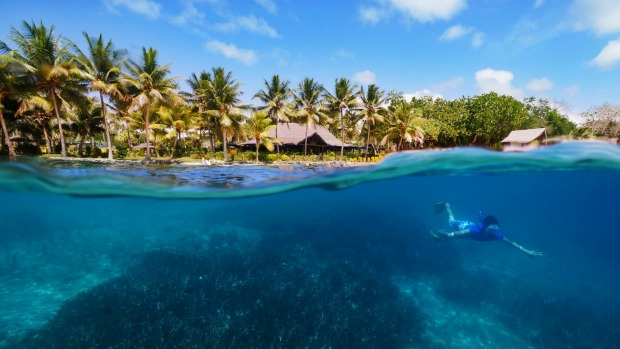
(562, 50)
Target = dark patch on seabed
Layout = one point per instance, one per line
(235, 292)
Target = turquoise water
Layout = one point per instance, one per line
(97, 255)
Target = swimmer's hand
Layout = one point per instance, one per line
(533, 254)
(441, 234)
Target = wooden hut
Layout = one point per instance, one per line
(524, 140)
(293, 137)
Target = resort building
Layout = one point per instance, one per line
(524, 140)
(293, 137)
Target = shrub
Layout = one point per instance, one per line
(121, 151)
(284, 157)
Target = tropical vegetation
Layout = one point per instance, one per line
(97, 101)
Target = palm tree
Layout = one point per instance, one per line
(343, 100)
(310, 111)
(10, 72)
(152, 85)
(222, 96)
(40, 111)
(102, 69)
(373, 109)
(180, 119)
(404, 124)
(198, 98)
(258, 128)
(88, 119)
(275, 96)
(48, 59)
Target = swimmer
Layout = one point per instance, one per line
(487, 230)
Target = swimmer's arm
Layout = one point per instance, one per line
(444, 234)
(530, 253)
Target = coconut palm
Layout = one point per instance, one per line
(10, 73)
(275, 96)
(49, 61)
(404, 124)
(259, 127)
(198, 99)
(152, 85)
(343, 100)
(101, 67)
(222, 96)
(39, 110)
(88, 119)
(373, 109)
(179, 119)
(310, 108)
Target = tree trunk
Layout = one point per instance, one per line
(48, 143)
(174, 145)
(341, 136)
(224, 145)
(306, 142)
(147, 154)
(107, 127)
(5, 133)
(92, 146)
(63, 150)
(277, 145)
(367, 139)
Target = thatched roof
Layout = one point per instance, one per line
(524, 136)
(295, 134)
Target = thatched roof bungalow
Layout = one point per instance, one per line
(524, 140)
(293, 136)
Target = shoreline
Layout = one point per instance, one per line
(221, 163)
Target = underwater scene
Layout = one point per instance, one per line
(122, 255)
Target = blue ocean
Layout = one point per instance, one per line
(122, 255)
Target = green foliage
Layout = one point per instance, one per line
(121, 151)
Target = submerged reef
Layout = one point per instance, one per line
(242, 293)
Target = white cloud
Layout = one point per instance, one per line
(458, 31)
(372, 15)
(539, 3)
(422, 93)
(478, 39)
(251, 23)
(365, 77)
(231, 51)
(268, 5)
(428, 11)
(190, 14)
(498, 81)
(609, 56)
(419, 10)
(342, 54)
(148, 8)
(539, 85)
(601, 16)
(455, 32)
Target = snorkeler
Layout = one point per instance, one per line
(486, 230)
